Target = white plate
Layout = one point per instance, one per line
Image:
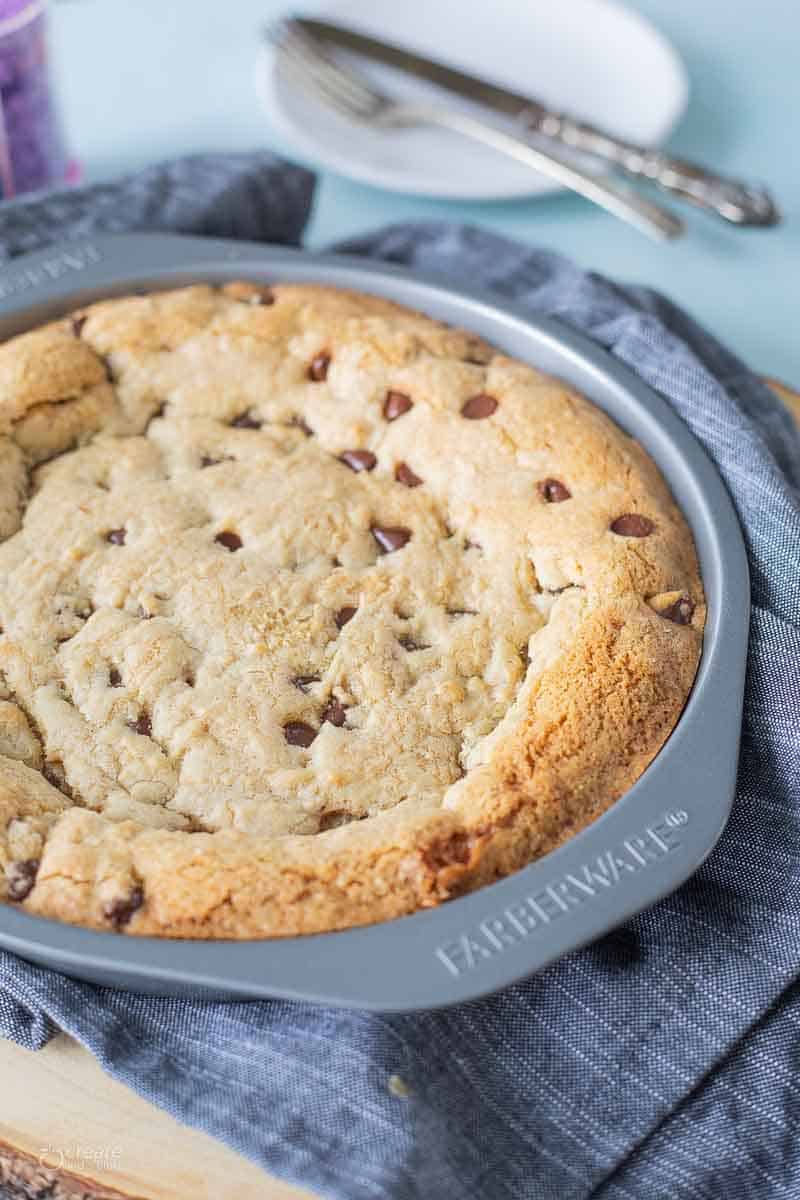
(593, 58)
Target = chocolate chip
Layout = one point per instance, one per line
(114, 678)
(263, 297)
(142, 725)
(409, 644)
(478, 407)
(78, 324)
(358, 460)
(297, 733)
(553, 491)
(318, 367)
(303, 682)
(404, 474)
(21, 878)
(396, 404)
(55, 775)
(249, 293)
(207, 461)
(344, 615)
(390, 537)
(116, 536)
(119, 912)
(632, 525)
(246, 420)
(681, 612)
(189, 679)
(334, 712)
(230, 540)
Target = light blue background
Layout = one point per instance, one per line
(145, 79)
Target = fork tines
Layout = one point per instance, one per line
(307, 62)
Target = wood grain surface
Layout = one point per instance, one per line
(70, 1132)
(790, 397)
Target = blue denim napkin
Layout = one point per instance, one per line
(661, 1061)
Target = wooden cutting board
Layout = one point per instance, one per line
(69, 1132)
(790, 398)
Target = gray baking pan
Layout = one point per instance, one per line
(641, 849)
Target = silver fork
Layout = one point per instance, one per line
(307, 64)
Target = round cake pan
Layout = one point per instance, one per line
(648, 843)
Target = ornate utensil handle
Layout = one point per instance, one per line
(733, 200)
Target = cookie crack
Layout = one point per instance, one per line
(50, 775)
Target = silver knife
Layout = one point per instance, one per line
(740, 203)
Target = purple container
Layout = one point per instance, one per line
(32, 149)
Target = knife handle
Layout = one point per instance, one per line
(731, 199)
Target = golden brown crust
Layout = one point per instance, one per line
(315, 612)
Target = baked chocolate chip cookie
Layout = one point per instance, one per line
(314, 612)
